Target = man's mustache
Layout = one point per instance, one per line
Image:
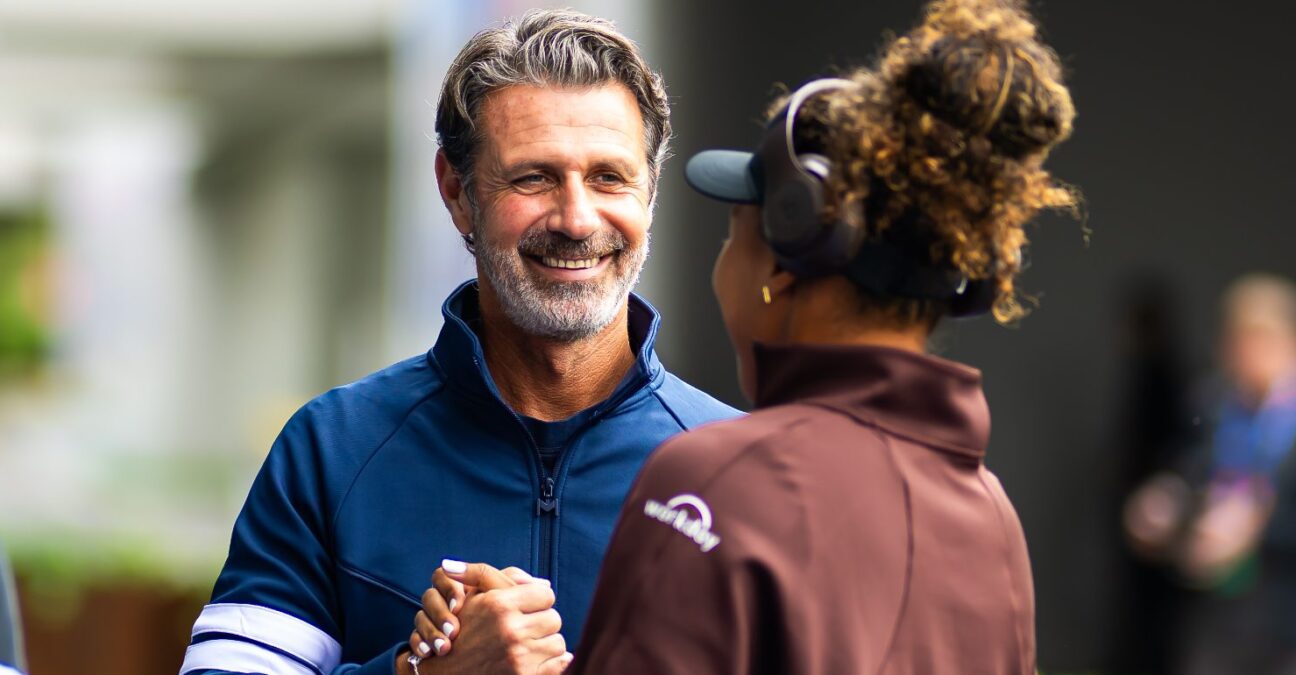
(542, 243)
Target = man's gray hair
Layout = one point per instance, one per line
(561, 48)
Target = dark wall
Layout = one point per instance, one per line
(1183, 150)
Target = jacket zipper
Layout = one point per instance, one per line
(546, 504)
(546, 508)
(547, 511)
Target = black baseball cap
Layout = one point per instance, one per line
(727, 175)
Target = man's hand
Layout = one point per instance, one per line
(493, 621)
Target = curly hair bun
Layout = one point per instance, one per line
(951, 128)
(979, 67)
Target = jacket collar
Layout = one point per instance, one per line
(922, 397)
(458, 351)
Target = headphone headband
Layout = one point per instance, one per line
(798, 99)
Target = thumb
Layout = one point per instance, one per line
(479, 575)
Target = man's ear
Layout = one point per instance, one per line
(453, 194)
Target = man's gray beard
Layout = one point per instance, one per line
(566, 311)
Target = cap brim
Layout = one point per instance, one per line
(723, 174)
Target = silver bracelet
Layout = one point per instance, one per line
(414, 660)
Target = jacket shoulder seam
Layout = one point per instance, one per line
(669, 410)
(909, 552)
(355, 478)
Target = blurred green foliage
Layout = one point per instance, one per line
(150, 546)
(24, 332)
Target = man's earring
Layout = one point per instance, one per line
(765, 294)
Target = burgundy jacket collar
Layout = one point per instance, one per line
(928, 399)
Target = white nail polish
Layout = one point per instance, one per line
(424, 648)
(447, 628)
(438, 644)
(454, 566)
(453, 603)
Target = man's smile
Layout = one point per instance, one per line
(570, 269)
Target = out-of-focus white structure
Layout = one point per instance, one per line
(242, 213)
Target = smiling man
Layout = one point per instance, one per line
(515, 439)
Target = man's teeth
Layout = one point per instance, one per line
(569, 264)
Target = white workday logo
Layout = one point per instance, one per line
(676, 513)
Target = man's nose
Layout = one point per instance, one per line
(577, 216)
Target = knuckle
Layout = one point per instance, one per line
(511, 633)
(518, 657)
(494, 602)
(429, 596)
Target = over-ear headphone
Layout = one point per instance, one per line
(793, 203)
(808, 245)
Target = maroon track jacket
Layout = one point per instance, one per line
(847, 526)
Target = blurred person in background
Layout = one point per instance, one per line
(1225, 519)
(850, 525)
(516, 437)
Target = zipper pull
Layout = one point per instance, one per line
(547, 503)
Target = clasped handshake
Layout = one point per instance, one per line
(478, 619)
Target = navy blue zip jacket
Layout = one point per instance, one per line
(370, 485)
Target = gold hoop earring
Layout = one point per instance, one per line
(765, 294)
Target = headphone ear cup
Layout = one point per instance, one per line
(792, 214)
(794, 225)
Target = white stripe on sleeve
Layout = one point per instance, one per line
(239, 657)
(270, 627)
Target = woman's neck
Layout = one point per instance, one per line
(817, 317)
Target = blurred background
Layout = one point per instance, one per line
(212, 211)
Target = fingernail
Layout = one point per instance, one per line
(540, 580)
(438, 644)
(454, 566)
(453, 602)
(447, 628)
(424, 648)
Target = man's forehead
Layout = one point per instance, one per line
(524, 118)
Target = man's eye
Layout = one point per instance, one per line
(531, 180)
(608, 178)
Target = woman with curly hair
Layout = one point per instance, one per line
(849, 524)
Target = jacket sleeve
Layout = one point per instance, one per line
(274, 608)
